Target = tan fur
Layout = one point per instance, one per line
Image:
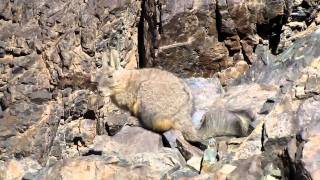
(158, 98)
(135, 108)
(161, 125)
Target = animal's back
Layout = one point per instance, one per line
(158, 98)
(164, 100)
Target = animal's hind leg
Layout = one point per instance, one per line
(162, 124)
(136, 108)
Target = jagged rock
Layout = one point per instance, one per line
(2, 53)
(301, 154)
(29, 131)
(129, 141)
(297, 25)
(236, 112)
(204, 91)
(16, 169)
(53, 52)
(283, 122)
(308, 111)
(73, 139)
(80, 103)
(224, 172)
(290, 115)
(113, 156)
(195, 48)
(280, 124)
(287, 67)
(310, 155)
(111, 167)
(250, 168)
(317, 20)
(113, 122)
(215, 24)
(192, 154)
(40, 96)
(233, 72)
(271, 172)
(184, 173)
(49, 56)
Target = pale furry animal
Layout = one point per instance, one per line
(158, 98)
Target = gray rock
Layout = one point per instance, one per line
(2, 52)
(129, 141)
(301, 154)
(19, 169)
(52, 53)
(192, 154)
(204, 91)
(251, 168)
(113, 122)
(286, 67)
(308, 112)
(41, 96)
(144, 166)
(232, 37)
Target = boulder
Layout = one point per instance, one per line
(129, 141)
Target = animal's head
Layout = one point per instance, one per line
(111, 80)
(105, 80)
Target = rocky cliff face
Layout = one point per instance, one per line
(201, 38)
(54, 124)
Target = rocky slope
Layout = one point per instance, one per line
(261, 58)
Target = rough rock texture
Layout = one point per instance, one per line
(16, 169)
(54, 124)
(292, 113)
(50, 52)
(201, 38)
(302, 154)
(140, 139)
(133, 153)
(111, 167)
(192, 154)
